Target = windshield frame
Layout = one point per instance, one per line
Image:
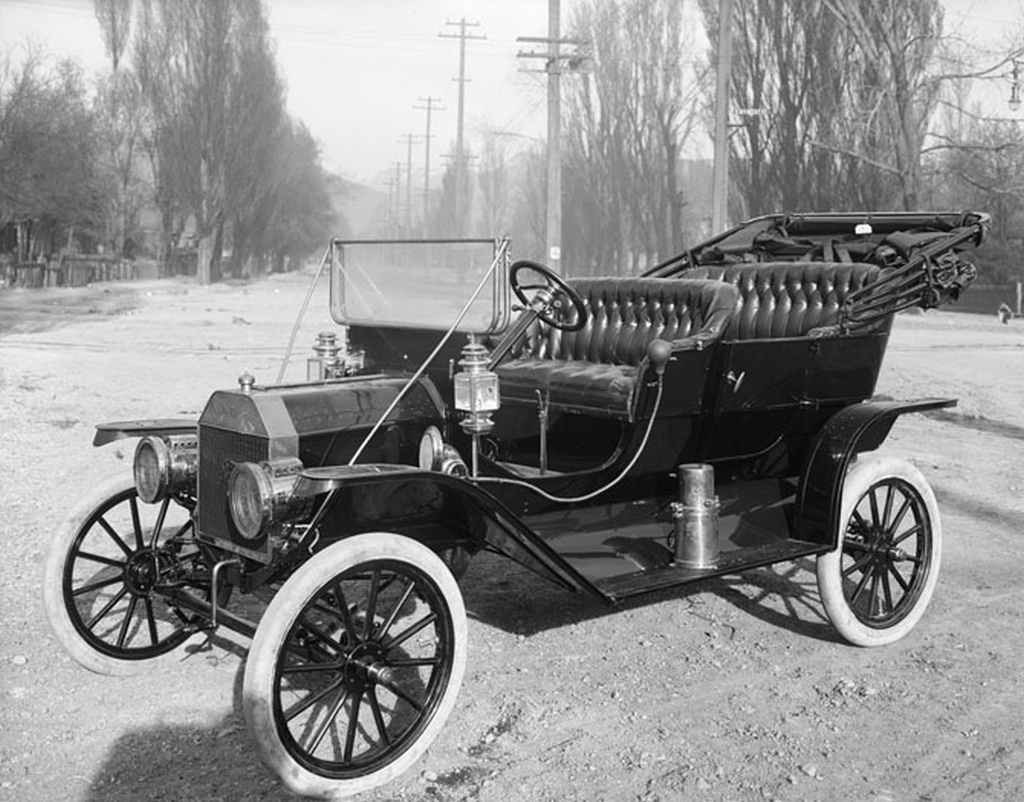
(352, 281)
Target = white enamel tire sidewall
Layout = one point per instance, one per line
(862, 474)
(275, 624)
(53, 589)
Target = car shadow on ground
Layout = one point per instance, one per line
(503, 594)
(214, 762)
(176, 762)
(182, 762)
(218, 762)
(784, 595)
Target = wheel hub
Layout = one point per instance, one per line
(143, 570)
(366, 666)
(875, 541)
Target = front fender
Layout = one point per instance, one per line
(855, 429)
(120, 430)
(434, 508)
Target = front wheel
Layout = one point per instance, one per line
(878, 581)
(355, 665)
(105, 569)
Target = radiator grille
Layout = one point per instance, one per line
(219, 452)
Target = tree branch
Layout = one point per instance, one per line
(986, 72)
(952, 144)
(974, 116)
(1010, 191)
(859, 157)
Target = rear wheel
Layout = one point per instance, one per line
(355, 665)
(878, 581)
(103, 573)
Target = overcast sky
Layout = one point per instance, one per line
(355, 69)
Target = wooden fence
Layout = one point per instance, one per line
(987, 298)
(68, 271)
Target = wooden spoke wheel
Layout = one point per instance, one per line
(355, 665)
(878, 581)
(106, 566)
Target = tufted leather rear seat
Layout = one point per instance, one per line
(786, 299)
(596, 369)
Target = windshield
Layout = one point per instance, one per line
(418, 283)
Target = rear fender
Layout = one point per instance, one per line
(121, 430)
(434, 508)
(855, 429)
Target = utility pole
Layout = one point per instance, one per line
(554, 217)
(388, 210)
(720, 175)
(460, 153)
(426, 169)
(398, 195)
(408, 139)
(557, 62)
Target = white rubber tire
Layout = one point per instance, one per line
(863, 475)
(275, 627)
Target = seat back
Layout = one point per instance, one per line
(625, 314)
(787, 299)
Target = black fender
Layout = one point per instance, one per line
(120, 430)
(853, 430)
(434, 508)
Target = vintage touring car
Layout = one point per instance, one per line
(616, 436)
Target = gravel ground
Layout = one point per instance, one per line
(737, 689)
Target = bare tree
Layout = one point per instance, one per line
(223, 150)
(151, 54)
(120, 114)
(119, 117)
(529, 204)
(301, 213)
(846, 95)
(494, 185)
(447, 215)
(189, 54)
(894, 92)
(790, 79)
(981, 166)
(628, 120)
(194, 87)
(255, 130)
(115, 19)
(50, 166)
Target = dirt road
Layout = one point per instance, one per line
(734, 690)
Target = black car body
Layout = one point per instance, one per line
(614, 435)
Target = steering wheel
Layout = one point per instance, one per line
(553, 310)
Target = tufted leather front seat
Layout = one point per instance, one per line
(596, 368)
(787, 299)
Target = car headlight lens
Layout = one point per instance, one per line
(164, 466)
(437, 455)
(150, 469)
(431, 448)
(260, 495)
(250, 493)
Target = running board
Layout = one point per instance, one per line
(734, 561)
